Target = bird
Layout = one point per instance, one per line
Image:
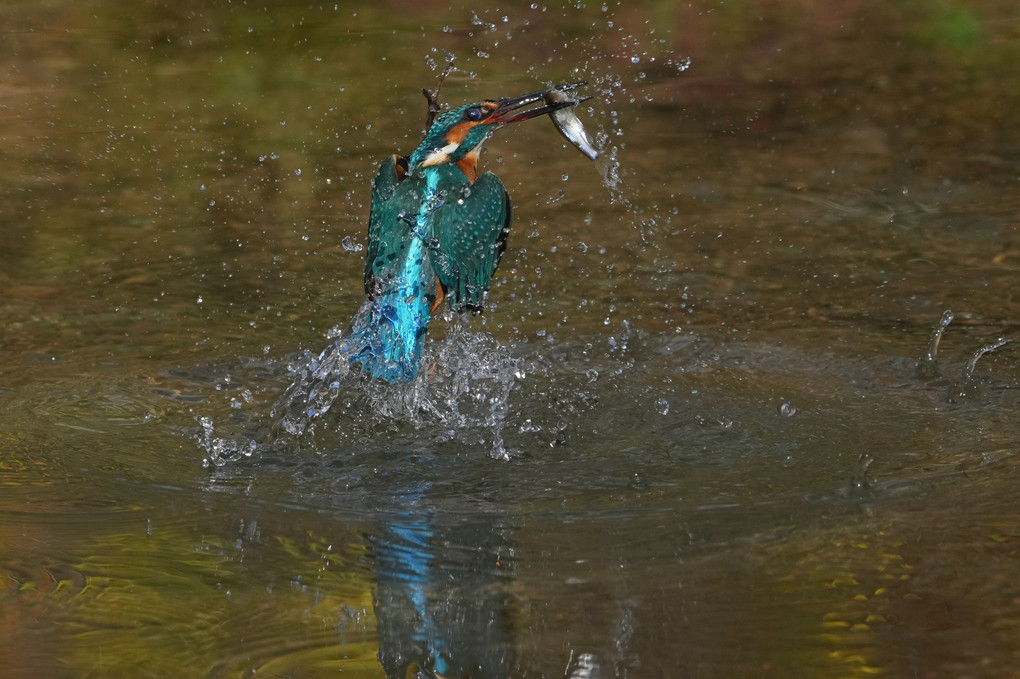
(437, 231)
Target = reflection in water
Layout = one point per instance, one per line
(441, 595)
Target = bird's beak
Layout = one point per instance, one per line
(505, 108)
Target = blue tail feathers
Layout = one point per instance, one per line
(387, 335)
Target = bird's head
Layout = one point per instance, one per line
(457, 135)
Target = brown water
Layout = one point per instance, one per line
(697, 343)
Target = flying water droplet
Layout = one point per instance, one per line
(682, 64)
(662, 405)
(350, 245)
(787, 409)
(586, 666)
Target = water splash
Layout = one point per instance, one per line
(583, 666)
(859, 488)
(967, 385)
(787, 409)
(971, 366)
(220, 451)
(928, 368)
(461, 394)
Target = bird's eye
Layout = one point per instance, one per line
(474, 113)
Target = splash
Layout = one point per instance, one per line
(462, 389)
(461, 394)
(220, 450)
(971, 366)
(928, 366)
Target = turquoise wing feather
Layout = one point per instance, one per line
(469, 233)
(392, 172)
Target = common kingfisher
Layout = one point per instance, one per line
(436, 231)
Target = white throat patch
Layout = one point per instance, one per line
(439, 156)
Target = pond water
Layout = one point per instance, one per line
(704, 428)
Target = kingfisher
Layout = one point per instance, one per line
(436, 231)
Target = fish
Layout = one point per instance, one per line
(566, 120)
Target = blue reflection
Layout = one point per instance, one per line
(441, 594)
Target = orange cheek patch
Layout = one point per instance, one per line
(459, 132)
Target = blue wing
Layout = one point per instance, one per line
(470, 230)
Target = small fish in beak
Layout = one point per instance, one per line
(566, 120)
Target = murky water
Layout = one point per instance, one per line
(701, 432)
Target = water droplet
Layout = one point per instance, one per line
(585, 667)
(350, 245)
(859, 488)
(293, 428)
(786, 409)
(662, 405)
(635, 59)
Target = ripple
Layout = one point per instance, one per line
(28, 584)
(295, 607)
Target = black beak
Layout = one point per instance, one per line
(504, 111)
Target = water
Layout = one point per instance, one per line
(703, 430)
(462, 395)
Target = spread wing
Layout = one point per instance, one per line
(391, 173)
(470, 231)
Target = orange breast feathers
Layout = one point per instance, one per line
(469, 164)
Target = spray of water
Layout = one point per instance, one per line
(928, 367)
(462, 393)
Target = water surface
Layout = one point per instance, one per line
(649, 457)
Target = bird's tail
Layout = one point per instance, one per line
(387, 335)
